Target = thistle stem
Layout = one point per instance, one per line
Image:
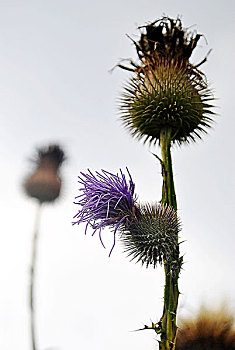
(171, 292)
(32, 277)
(168, 188)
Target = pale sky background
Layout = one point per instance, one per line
(55, 86)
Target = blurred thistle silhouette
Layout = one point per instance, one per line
(208, 330)
(44, 185)
(166, 101)
(148, 232)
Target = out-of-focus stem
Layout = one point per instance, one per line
(32, 277)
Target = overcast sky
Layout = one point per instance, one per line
(55, 86)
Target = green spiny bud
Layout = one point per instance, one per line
(153, 236)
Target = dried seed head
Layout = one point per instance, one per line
(51, 156)
(45, 184)
(153, 236)
(166, 38)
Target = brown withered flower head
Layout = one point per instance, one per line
(45, 183)
(209, 330)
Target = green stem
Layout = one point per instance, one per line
(171, 292)
(168, 188)
(32, 278)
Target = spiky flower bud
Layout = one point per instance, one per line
(45, 184)
(166, 91)
(106, 200)
(152, 237)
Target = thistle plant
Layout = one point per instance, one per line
(167, 101)
(44, 185)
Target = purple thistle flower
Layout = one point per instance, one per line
(107, 200)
